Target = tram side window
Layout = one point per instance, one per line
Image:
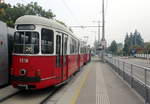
(65, 44)
(72, 46)
(58, 45)
(81, 49)
(47, 41)
(76, 47)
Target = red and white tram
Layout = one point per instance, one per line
(45, 53)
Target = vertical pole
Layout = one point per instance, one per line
(147, 55)
(98, 32)
(131, 76)
(146, 92)
(103, 16)
(113, 61)
(103, 35)
(123, 71)
(115, 66)
(118, 66)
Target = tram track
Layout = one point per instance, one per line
(9, 96)
(29, 97)
(45, 100)
(34, 97)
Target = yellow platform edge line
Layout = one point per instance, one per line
(77, 92)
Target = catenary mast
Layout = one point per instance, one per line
(103, 41)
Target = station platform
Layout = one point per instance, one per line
(98, 84)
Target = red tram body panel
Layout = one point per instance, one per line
(72, 64)
(38, 68)
(45, 53)
(81, 60)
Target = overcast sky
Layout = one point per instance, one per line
(121, 16)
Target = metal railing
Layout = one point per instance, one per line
(138, 77)
(147, 56)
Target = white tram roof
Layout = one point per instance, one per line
(37, 20)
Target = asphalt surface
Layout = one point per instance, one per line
(139, 61)
(138, 72)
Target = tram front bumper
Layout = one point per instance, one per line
(25, 79)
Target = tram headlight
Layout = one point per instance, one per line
(23, 72)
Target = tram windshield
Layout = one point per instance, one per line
(26, 43)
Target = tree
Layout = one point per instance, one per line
(4, 6)
(132, 42)
(126, 44)
(10, 14)
(113, 47)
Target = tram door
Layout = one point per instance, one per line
(61, 55)
(64, 57)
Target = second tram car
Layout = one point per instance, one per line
(45, 53)
(6, 42)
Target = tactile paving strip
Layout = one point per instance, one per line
(101, 91)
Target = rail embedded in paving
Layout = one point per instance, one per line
(138, 77)
(9, 96)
